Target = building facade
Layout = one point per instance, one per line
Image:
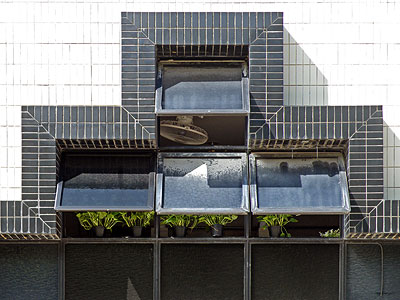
(92, 94)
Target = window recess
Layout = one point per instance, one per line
(202, 183)
(105, 182)
(202, 87)
(300, 185)
(202, 102)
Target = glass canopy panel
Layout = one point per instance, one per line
(105, 182)
(301, 186)
(200, 88)
(202, 183)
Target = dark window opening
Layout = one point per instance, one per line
(234, 229)
(307, 226)
(222, 131)
(73, 229)
(220, 52)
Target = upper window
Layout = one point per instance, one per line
(196, 183)
(299, 185)
(202, 87)
(105, 182)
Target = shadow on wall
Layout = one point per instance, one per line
(391, 175)
(388, 210)
(304, 83)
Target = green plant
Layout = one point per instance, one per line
(97, 218)
(217, 219)
(180, 220)
(111, 219)
(137, 218)
(91, 219)
(331, 233)
(277, 220)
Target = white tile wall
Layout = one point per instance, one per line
(67, 53)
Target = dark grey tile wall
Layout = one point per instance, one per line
(45, 127)
(362, 129)
(357, 131)
(194, 34)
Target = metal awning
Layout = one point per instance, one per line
(210, 87)
(202, 183)
(105, 182)
(298, 185)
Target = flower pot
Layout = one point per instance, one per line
(99, 231)
(137, 231)
(263, 233)
(163, 231)
(180, 231)
(217, 230)
(275, 231)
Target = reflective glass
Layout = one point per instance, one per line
(202, 183)
(194, 87)
(307, 184)
(105, 181)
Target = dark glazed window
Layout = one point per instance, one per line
(299, 185)
(29, 271)
(109, 271)
(295, 272)
(202, 87)
(97, 182)
(202, 184)
(200, 272)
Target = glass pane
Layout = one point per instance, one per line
(194, 87)
(202, 183)
(299, 183)
(105, 181)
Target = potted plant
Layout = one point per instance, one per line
(217, 222)
(137, 220)
(277, 224)
(111, 219)
(99, 220)
(180, 223)
(330, 233)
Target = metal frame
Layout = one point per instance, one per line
(149, 207)
(157, 243)
(173, 112)
(256, 210)
(243, 210)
